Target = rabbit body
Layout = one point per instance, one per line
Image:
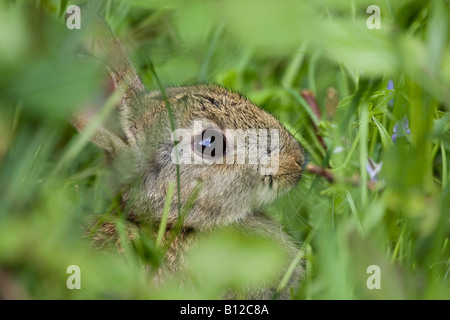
(219, 195)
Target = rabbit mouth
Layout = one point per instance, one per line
(276, 185)
(282, 182)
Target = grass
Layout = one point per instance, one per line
(52, 181)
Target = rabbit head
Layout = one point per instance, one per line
(226, 155)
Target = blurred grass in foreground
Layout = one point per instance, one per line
(383, 95)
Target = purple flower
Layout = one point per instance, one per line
(373, 169)
(401, 130)
(390, 86)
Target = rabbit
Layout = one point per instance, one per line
(143, 159)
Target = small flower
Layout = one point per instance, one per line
(402, 130)
(338, 150)
(390, 86)
(373, 169)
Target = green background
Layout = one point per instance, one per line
(270, 51)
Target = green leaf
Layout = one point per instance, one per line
(384, 135)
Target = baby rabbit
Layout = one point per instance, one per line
(202, 139)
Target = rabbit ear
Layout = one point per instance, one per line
(101, 44)
(104, 138)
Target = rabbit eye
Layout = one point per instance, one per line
(210, 144)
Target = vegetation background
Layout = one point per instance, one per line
(378, 142)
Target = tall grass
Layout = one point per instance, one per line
(376, 99)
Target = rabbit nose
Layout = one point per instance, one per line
(299, 159)
(302, 161)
